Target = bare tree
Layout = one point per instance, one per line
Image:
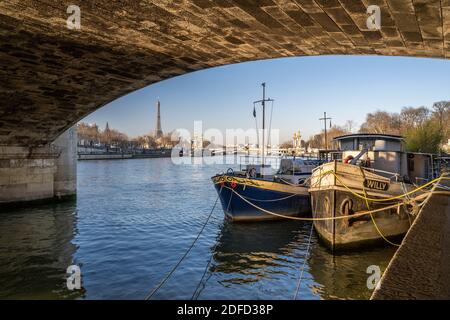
(441, 110)
(318, 140)
(381, 122)
(412, 117)
(287, 145)
(350, 126)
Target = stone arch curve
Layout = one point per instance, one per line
(52, 76)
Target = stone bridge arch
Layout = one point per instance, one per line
(52, 76)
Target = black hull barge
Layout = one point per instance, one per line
(331, 199)
(370, 192)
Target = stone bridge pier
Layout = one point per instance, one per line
(38, 173)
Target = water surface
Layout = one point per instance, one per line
(132, 221)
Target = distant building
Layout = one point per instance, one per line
(158, 130)
(107, 134)
(297, 140)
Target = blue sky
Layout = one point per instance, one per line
(346, 87)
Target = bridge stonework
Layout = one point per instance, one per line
(51, 76)
(39, 173)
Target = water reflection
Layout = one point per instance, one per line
(35, 250)
(256, 260)
(269, 257)
(343, 275)
(253, 250)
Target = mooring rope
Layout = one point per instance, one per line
(153, 292)
(293, 184)
(442, 187)
(195, 295)
(383, 199)
(310, 219)
(358, 214)
(371, 216)
(297, 289)
(271, 200)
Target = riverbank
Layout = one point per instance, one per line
(159, 153)
(420, 269)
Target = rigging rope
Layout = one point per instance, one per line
(270, 128)
(153, 292)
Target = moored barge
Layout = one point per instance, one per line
(369, 172)
(256, 194)
(249, 195)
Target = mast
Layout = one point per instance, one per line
(325, 127)
(263, 123)
(263, 103)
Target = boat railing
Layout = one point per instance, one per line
(246, 160)
(386, 174)
(421, 181)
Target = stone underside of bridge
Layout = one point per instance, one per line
(51, 76)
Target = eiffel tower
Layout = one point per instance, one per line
(158, 130)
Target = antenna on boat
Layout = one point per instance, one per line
(263, 103)
(325, 126)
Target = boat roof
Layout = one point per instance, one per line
(370, 135)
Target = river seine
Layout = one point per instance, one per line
(133, 220)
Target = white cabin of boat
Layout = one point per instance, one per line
(386, 153)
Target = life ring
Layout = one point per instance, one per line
(348, 159)
(230, 171)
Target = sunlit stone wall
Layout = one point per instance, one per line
(28, 173)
